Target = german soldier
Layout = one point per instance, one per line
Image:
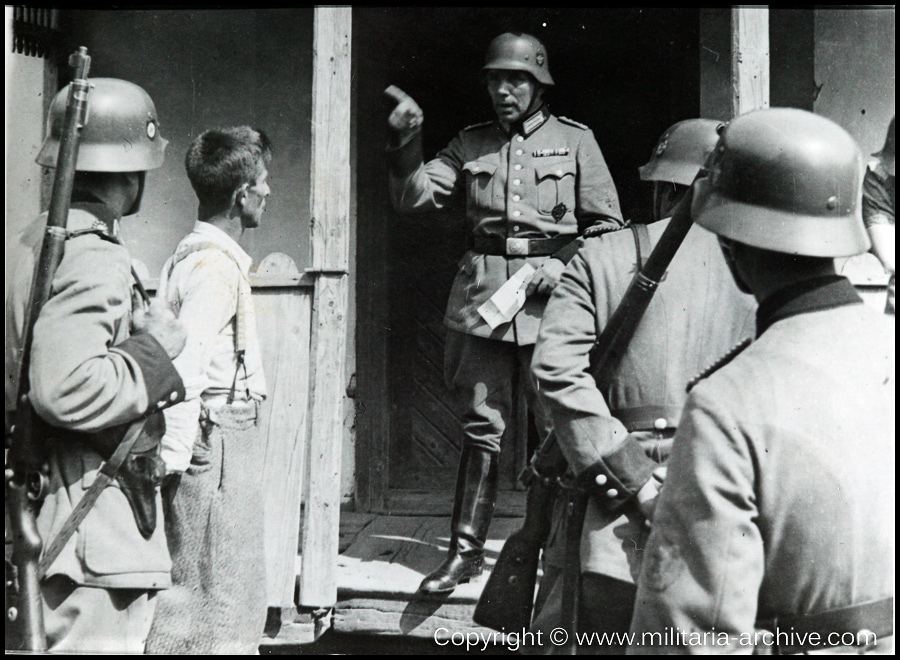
(625, 425)
(773, 529)
(99, 361)
(532, 183)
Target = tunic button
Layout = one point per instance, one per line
(600, 479)
(161, 404)
(517, 182)
(519, 167)
(519, 138)
(612, 492)
(558, 172)
(519, 152)
(515, 227)
(475, 168)
(516, 214)
(516, 198)
(660, 424)
(173, 396)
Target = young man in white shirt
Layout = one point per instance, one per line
(214, 514)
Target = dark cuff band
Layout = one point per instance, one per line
(626, 470)
(164, 386)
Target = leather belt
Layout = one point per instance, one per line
(870, 619)
(518, 247)
(648, 418)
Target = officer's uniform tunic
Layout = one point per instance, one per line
(546, 179)
(88, 375)
(697, 313)
(779, 496)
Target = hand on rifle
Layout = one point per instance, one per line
(160, 322)
(407, 117)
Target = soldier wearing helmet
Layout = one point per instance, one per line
(771, 529)
(623, 429)
(879, 204)
(530, 184)
(99, 361)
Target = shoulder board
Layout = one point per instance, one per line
(718, 364)
(600, 230)
(96, 231)
(572, 122)
(481, 125)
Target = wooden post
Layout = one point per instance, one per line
(749, 59)
(329, 233)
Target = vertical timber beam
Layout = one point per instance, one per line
(329, 233)
(734, 61)
(749, 59)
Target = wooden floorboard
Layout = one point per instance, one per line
(379, 575)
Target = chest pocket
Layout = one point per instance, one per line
(480, 181)
(555, 185)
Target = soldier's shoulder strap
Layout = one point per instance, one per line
(474, 127)
(718, 364)
(572, 122)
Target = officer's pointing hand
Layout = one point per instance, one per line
(407, 117)
(160, 322)
(546, 277)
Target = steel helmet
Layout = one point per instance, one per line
(785, 180)
(121, 133)
(681, 151)
(519, 52)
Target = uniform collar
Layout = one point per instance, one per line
(209, 232)
(532, 122)
(105, 219)
(813, 295)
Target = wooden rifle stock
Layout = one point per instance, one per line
(506, 600)
(504, 607)
(25, 479)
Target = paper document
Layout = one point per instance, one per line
(508, 299)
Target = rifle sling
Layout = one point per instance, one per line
(107, 473)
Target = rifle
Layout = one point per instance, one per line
(26, 481)
(507, 599)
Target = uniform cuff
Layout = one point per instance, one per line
(161, 379)
(617, 477)
(406, 158)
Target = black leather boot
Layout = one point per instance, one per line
(473, 508)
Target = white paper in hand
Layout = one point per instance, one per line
(508, 299)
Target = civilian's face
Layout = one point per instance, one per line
(255, 204)
(512, 93)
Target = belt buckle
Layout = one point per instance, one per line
(517, 247)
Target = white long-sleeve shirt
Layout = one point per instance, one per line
(202, 288)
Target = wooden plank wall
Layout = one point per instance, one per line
(282, 299)
(283, 317)
(330, 190)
